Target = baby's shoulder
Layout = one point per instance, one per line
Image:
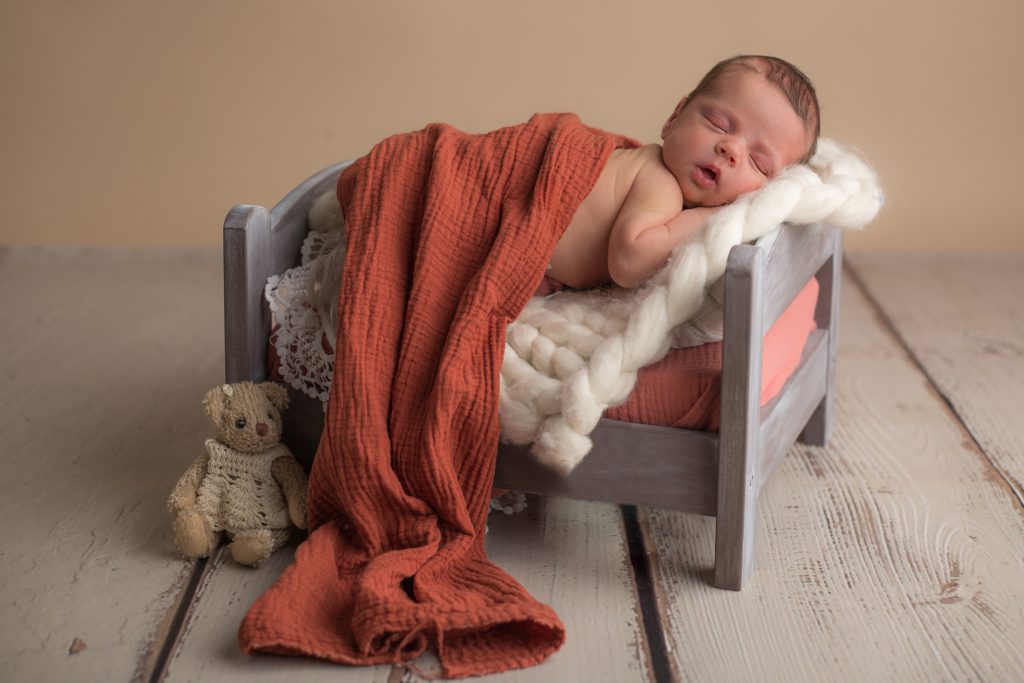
(650, 172)
(640, 165)
(637, 157)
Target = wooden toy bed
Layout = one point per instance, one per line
(719, 474)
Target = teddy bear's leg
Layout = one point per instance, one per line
(253, 546)
(278, 537)
(193, 535)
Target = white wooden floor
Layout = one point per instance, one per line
(896, 553)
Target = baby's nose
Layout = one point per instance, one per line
(729, 150)
(262, 428)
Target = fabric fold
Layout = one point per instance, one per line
(448, 235)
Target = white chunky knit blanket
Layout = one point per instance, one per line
(570, 356)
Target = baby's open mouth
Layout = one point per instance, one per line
(705, 176)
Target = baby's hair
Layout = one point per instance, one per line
(793, 83)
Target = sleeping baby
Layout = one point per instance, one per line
(748, 118)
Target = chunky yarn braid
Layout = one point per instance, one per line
(569, 357)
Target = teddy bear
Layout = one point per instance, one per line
(246, 483)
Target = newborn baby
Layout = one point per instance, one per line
(748, 118)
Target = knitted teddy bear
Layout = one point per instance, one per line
(246, 483)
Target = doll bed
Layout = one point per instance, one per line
(717, 474)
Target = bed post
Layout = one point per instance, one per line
(739, 430)
(819, 427)
(246, 316)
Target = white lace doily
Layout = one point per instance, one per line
(303, 303)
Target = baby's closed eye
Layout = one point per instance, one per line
(718, 122)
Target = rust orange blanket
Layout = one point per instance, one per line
(449, 234)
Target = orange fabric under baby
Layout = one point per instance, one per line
(683, 389)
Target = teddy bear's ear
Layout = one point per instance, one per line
(215, 400)
(275, 393)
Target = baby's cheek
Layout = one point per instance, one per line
(751, 185)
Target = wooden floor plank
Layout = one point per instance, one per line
(207, 649)
(110, 354)
(572, 555)
(962, 318)
(106, 357)
(569, 554)
(891, 554)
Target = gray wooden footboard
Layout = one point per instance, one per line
(761, 281)
(718, 474)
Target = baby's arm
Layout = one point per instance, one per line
(649, 225)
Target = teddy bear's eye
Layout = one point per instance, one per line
(240, 423)
(270, 416)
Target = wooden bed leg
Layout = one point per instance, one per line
(740, 427)
(734, 527)
(819, 427)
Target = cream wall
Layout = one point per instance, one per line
(144, 122)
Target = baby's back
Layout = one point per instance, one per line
(580, 258)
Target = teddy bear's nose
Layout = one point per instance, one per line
(262, 428)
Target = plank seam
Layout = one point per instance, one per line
(890, 327)
(174, 632)
(638, 556)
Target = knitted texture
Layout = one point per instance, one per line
(571, 356)
(239, 492)
(449, 234)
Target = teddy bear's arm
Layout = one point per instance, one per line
(183, 497)
(292, 478)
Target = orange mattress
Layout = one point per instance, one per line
(683, 388)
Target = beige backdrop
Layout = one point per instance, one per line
(128, 122)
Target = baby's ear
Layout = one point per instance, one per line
(276, 394)
(672, 117)
(215, 400)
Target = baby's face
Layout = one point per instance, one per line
(732, 139)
